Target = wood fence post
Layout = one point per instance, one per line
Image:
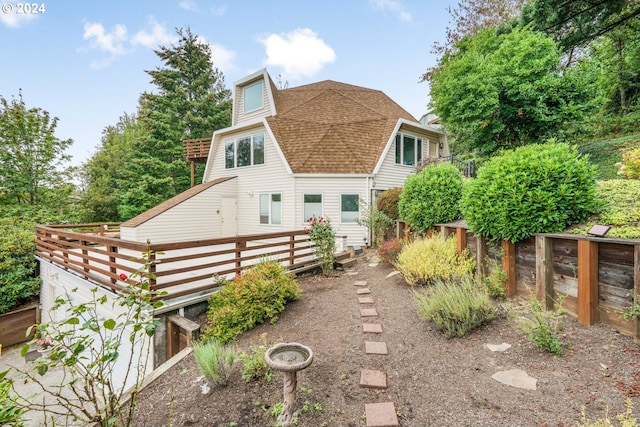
(240, 246)
(636, 286)
(587, 282)
(461, 238)
(112, 261)
(509, 267)
(292, 249)
(544, 272)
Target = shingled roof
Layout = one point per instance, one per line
(332, 127)
(174, 201)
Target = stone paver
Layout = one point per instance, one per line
(360, 283)
(375, 347)
(381, 414)
(365, 300)
(373, 328)
(516, 378)
(367, 312)
(373, 379)
(363, 291)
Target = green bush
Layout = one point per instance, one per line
(425, 260)
(431, 197)
(456, 307)
(215, 360)
(630, 165)
(387, 202)
(540, 188)
(254, 366)
(259, 294)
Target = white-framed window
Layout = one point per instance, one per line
(271, 208)
(312, 206)
(408, 149)
(252, 95)
(244, 151)
(349, 208)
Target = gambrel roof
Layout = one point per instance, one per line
(332, 127)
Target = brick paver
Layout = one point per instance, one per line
(375, 347)
(367, 312)
(373, 379)
(373, 328)
(381, 414)
(365, 300)
(360, 283)
(363, 291)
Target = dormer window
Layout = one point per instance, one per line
(253, 97)
(408, 149)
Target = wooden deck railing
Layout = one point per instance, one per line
(197, 150)
(598, 277)
(94, 253)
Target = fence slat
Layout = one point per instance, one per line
(509, 266)
(544, 271)
(587, 282)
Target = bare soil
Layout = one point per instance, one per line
(432, 381)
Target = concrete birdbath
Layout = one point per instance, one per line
(289, 358)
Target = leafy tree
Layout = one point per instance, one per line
(105, 175)
(502, 89)
(191, 102)
(32, 158)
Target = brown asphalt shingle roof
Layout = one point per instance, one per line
(332, 127)
(174, 201)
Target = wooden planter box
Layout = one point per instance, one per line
(14, 325)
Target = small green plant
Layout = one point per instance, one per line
(254, 366)
(260, 294)
(455, 307)
(318, 407)
(344, 377)
(305, 406)
(495, 282)
(215, 360)
(544, 326)
(625, 419)
(276, 410)
(10, 412)
(423, 261)
(631, 312)
(324, 238)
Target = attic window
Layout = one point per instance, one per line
(408, 149)
(253, 96)
(244, 151)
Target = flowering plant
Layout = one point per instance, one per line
(322, 235)
(44, 343)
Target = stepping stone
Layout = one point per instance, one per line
(366, 312)
(373, 328)
(360, 283)
(352, 273)
(375, 347)
(363, 291)
(373, 264)
(373, 379)
(393, 273)
(381, 414)
(365, 300)
(515, 378)
(499, 347)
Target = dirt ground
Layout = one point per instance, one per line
(432, 381)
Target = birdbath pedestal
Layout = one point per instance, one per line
(288, 358)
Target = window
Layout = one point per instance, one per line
(253, 97)
(271, 208)
(349, 210)
(245, 151)
(408, 149)
(312, 206)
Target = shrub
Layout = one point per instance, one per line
(456, 307)
(379, 224)
(544, 326)
(254, 366)
(630, 166)
(425, 260)
(387, 202)
(215, 360)
(495, 282)
(626, 418)
(390, 250)
(431, 197)
(11, 413)
(259, 294)
(533, 189)
(324, 238)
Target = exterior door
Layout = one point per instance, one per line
(228, 216)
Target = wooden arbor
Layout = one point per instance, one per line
(196, 151)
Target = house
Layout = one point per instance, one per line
(324, 149)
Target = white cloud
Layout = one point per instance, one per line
(12, 19)
(154, 38)
(223, 58)
(189, 5)
(218, 11)
(301, 53)
(112, 42)
(393, 6)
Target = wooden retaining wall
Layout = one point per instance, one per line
(14, 325)
(598, 277)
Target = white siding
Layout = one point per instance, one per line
(194, 219)
(270, 177)
(331, 189)
(57, 282)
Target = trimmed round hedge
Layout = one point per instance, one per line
(539, 188)
(431, 196)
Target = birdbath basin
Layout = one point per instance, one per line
(289, 358)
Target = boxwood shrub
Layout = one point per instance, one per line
(431, 197)
(539, 188)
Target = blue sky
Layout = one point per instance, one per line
(84, 61)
